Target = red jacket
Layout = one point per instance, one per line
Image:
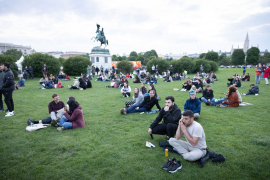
(266, 73)
(76, 118)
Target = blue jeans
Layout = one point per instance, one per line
(93, 75)
(48, 84)
(205, 100)
(262, 75)
(258, 79)
(219, 102)
(66, 125)
(133, 110)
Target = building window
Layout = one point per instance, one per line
(93, 59)
(97, 59)
(106, 59)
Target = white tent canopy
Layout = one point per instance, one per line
(19, 62)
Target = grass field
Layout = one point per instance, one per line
(112, 146)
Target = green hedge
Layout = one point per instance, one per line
(74, 66)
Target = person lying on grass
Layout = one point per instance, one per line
(55, 110)
(137, 98)
(170, 114)
(253, 91)
(194, 147)
(146, 105)
(72, 118)
(193, 104)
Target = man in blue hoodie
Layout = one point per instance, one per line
(193, 104)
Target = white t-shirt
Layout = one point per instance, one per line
(196, 130)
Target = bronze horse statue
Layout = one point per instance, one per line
(100, 37)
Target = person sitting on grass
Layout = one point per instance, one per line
(73, 118)
(146, 105)
(75, 85)
(126, 90)
(198, 86)
(208, 95)
(242, 78)
(168, 78)
(55, 110)
(21, 82)
(111, 76)
(104, 78)
(112, 84)
(247, 77)
(214, 77)
(187, 85)
(43, 80)
(143, 89)
(193, 104)
(176, 77)
(253, 91)
(232, 80)
(137, 79)
(143, 76)
(153, 79)
(82, 84)
(170, 114)
(47, 85)
(237, 82)
(151, 87)
(137, 98)
(194, 148)
(147, 79)
(233, 100)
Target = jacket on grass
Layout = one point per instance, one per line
(193, 104)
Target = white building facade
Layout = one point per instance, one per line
(100, 56)
(7, 46)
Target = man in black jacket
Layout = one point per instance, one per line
(7, 89)
(30, 72)
(171, 115)
(2, 73)
(146, 105)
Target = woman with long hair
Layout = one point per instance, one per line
(126, 90)
(208, 95)
(137, 79)
(73, 118)
(82, 84)
(137, 98)
(232, 101)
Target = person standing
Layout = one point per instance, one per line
(201, 68)
(44, 70)
(31, 71)
(101, 69)
(266, 75)
(170, 114)
(244, 69)
(25, 73)
(263, 69)
(8, 88)
(88, 69)
(97, 70)
(153, 69)
(171, 71)
(258, 73)
(93, 71)
(2, 73)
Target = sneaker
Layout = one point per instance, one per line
(43, 88)
(185, 90)
(208, 103)
(29, 121)
(174, 167)
(256, 94)
(81, 88)
(9, 114)
(60, 128)
(43, 84)
(54, 123)
(168, 163)
(127, 96)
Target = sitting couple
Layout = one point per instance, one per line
(67, 117)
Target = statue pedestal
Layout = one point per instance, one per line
(100, 56)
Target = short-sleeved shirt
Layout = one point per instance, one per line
(196, 130)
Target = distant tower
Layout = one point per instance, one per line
(246, 45)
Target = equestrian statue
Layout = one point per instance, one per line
(100, 37)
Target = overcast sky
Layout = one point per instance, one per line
(174, 26)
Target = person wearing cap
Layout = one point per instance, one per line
(193, 104)
(8, 88)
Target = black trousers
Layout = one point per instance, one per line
(1, 100)
(187, 87)
(9, 100)
(126, 94)
(162, 129)
(30, 75)
(47, 120)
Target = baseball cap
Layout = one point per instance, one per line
(191, 92)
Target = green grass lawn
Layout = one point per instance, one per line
(112, 146)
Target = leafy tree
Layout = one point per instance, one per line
(37, 60)
(212, 56)
(61, 60)
(124, 57)
(154, 53)
(152, 57)
(133, 53)
(177, 66)
(266, 58)
(213, 66)
(140, 58)
(202, 55)
(253, 55)
(10, 59)
(119, 58)
(223, 55)
(205, 63)
(74, 66)
(140, 54)
(132, 58)
(225, 61)
(147, 54)
(163, 65)
(194, 58)
(114, 57)
(238, 57)
(125, 67)
(87, 55)
(14, 53)
(187, 64)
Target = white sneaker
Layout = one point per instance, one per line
(81, 88)
(43, 88)
(60, 128)
(9, 114)
(185, 90)
(256, 94)
(127, 96)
